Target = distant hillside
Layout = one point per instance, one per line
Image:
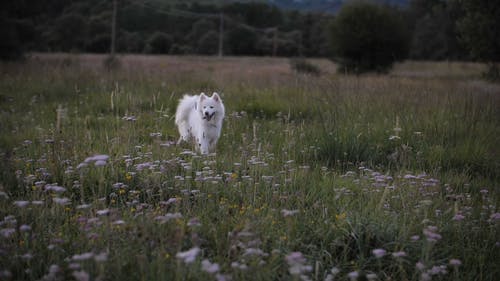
(330, 6)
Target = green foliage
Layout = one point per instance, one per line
(158, 43)
(368, 37)
(242, 41)
(303, 66)
(480, 33)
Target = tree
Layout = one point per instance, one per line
(368, 37)
(242, 41)
(479, 31)
(158, 43)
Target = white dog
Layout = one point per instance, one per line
(199, 119)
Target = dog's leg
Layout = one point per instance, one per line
(203, 144)
(185, 134)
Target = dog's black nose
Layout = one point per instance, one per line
(206, 114)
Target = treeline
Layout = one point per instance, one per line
(244, 28)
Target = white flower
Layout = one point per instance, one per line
(287, 213)
(188, 256)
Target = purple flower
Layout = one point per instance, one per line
(431, 234)
(296, 261)
(7, 232)
(495, 217)
(21, 204)
(209, 267)
(399, 254)
(458, 217)
(61, 201)
(81, 275)
(188, 256)
(455, 262)
(378, 253)
(83, 257)
(353, 275)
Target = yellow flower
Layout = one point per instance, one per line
(341, 216)
(128, 176)
(122, 191)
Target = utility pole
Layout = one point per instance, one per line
(275, 41)
(113, 29)
(221, 33)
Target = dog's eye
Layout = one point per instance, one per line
(211, 107)
(204, 107)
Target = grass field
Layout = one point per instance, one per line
(316, 177)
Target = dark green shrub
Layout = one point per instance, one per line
(368, 37)
(158, 43)
(303, 66)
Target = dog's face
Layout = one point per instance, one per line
(209, 106)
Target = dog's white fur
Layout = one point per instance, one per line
(199, 120)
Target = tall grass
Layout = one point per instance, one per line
(315, 177)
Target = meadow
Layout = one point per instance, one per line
(317, 176)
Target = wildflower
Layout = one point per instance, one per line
(371, 276)
(222, 277)
(188, 256)
(194, 222)
(353, 275)
(102, 212)
(288, 213)
(435, 270)
(425, 277)
(296, 261)
(168, 217)
(21, 204)
(100, 163)
(98, 157)
(83, 206)
(431, 234)
(81, 275)
(399, 254)
(420, 266)
(55, 188)
(24, 228)
(415, 238)
(495, 217)
(458, 217)
(254, 252)
(455, 262)
(61, 201)
(340, 216)
(102, 257)
(83, 257)
(378, 253)
(27, 256)
(209, 267)
(333, 272)
(98, 160)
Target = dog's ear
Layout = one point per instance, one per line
(216, 97)
(202, 96)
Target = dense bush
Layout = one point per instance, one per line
(368, 37)
(158, 43)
